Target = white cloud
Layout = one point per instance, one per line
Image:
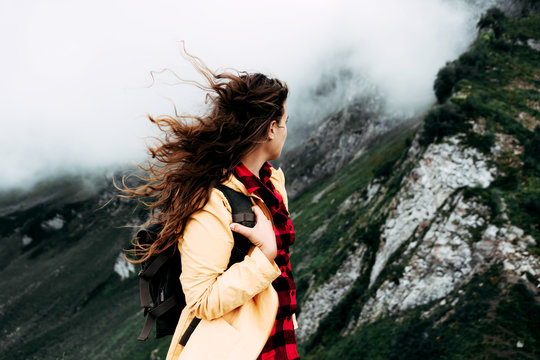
(74, 92)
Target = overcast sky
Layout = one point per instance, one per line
(75, 86)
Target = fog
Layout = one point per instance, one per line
(76, 87)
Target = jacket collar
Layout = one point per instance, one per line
(234, 183)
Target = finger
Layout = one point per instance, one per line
(241, 229)
(259, 215)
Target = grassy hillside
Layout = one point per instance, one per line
(60, 298)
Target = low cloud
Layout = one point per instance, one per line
(76, 91)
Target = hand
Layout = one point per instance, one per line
(261, 235)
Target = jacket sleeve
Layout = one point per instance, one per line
(205, 251)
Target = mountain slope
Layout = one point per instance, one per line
(63, 295)
(448, 227)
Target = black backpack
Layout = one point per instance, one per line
(159, 278)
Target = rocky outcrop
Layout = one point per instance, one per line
(444, 238)
(448, 256)
(123, 268)
(320, 303)
(443, 168)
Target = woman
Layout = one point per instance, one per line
(248, 310)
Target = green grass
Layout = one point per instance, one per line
(493, 82)
(61, 292)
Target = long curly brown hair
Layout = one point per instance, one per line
(198, 153)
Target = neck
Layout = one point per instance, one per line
(254, 162)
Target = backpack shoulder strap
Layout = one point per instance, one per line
(242, 214)
(240, 205)
(147, 236)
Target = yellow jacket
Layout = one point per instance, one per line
(237, 307)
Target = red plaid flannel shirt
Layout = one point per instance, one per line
(281, 344)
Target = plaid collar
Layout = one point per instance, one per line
(254, 182)
(261, 186)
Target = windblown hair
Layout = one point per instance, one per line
(199, 153)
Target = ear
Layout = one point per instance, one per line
(272, 130)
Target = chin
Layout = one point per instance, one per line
(274, 156)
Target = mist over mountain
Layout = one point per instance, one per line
(417, 231)
(363, 110)
(76, 100)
